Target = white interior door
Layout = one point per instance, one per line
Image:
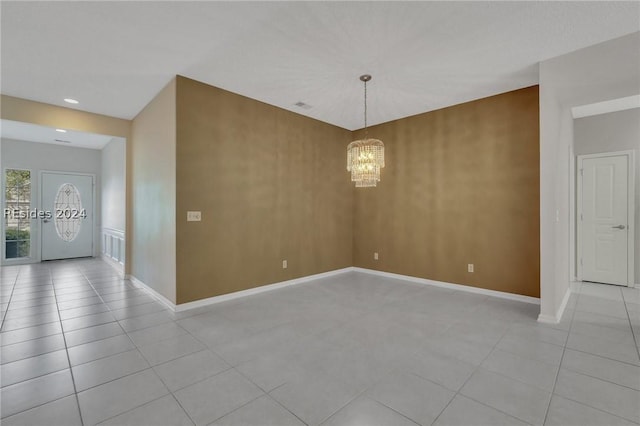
(67, 231)
(604, 219)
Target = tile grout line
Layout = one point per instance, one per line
(285, 408)
(350, 401)
(73, 380)
(134, 345)
(331, 376)
(597, 409)
(633, 334)
(186, 413)
(151, 367)
(231, 367)
(226, 414)
(66, 349)
(362, 393)
(564, 349)
(13, 288)
(472, 374)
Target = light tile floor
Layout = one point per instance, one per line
(82, 346)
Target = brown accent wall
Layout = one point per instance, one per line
(461, 185)
(271, 185)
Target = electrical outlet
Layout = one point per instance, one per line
(284, 264)
(375, 256)
(194, 216)
(470, 267)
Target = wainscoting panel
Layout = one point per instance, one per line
(113, 244)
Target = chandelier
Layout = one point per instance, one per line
(365, 157)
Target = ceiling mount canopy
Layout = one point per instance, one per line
(365, 157)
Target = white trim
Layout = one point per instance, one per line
(32, 258)
(605, 107)
(113, 262)
(548, 319)
(460, 287)
(630, 213)
(168, 303)
(235, 295)
(112, 244)
(269, 287)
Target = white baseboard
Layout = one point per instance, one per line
(114, 263)
(470, 289)
(168, 303)
(235, 295)
(555, 319)
(270, 287)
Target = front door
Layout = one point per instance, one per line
(67, 228)
(604, 219)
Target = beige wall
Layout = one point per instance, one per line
(461, 186)
(27, 111)
(153, 171)
(271, 185)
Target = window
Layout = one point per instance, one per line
(68, 207)
(17, 224)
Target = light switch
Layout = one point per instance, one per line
(194, 216)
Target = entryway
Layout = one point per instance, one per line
(64, 194)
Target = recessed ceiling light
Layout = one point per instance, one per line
(71, 101)
(61, 130)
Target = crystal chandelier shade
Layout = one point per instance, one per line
(365, 157)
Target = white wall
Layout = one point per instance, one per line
(38, 157)
(597, 73)
(112, 239)
(616, 131)
(113, 185)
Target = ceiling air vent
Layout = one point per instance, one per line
(302, 105)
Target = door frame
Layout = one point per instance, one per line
(34, 252)
(93, 207)
(630, 154)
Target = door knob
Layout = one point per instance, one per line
(619, 227)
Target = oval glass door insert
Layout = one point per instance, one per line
(67, 214)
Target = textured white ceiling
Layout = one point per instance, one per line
(114, 57)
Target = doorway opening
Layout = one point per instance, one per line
(85, 218)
